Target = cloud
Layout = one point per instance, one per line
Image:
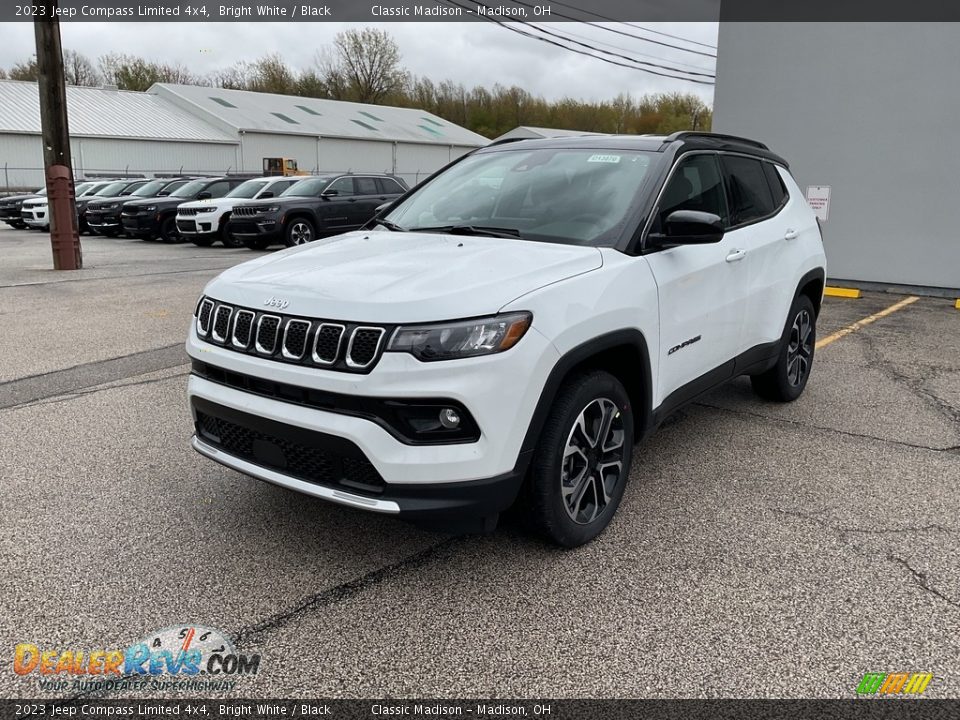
(472, 53)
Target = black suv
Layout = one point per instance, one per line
(103, 214)
(312, 208)
(154, 217)
(115, 189)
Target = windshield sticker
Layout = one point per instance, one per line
(604, 158)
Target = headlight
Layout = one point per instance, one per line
(272, 208)
(463, 338)
(206, 209)
(149, 208)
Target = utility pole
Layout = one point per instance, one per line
(64, 238)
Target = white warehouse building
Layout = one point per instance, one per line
(201, 130)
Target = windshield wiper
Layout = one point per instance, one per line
(499, 232)
(389, 225)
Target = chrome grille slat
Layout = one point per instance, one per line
(242, 328)
(294, 344)
(328, 334)
(359, 353)
(271, 330)
(221, 323)
(188, 211)
(203, 317)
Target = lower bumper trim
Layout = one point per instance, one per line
(271, 476)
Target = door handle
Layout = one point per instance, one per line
(736, 255)
(790, 235)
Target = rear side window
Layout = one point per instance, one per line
(219, 189)
(694, 185)
(390, 186)
(750, 196)
(777, 189)
(365, 186)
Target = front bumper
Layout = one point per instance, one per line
(140, 224)
(35, 219)
(103, 220)
(266, 227)
(479, 478)
(197, 225)
(282, 454)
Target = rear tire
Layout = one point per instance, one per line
(785, 381)
(582, 461)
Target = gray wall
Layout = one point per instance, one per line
(871, 109)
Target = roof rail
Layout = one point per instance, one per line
(683, 135)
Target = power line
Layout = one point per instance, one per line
(679, 63)
(582, 52)
(631, 25)
(620, 32)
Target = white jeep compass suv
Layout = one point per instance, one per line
(511, 328)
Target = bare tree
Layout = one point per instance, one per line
(78, 70)
(25, 71)
(129, 72)
(364, 66)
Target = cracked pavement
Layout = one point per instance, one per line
(761, 550)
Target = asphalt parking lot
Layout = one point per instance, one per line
(760, 551)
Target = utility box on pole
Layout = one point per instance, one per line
(64, 237)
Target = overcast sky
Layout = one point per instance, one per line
(473, 53)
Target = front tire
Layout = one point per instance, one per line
(168, 230)
(785, 381)
(299, 231)
(582, 461)
(227, 239)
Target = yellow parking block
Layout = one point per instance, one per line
(957, 305)
(841, 292)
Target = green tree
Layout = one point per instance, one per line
(27, 70)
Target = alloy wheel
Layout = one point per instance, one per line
(301, 233)
(800, 349)
(593, 461)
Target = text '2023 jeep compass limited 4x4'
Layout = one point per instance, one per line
(510, 328)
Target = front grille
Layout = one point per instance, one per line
(186, 212)
(246, 211)
(348, 347)
(186, 225)
(311, 458)
(364, 345)
(130, 212)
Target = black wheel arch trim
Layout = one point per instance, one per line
(818, 274)
(643, 415)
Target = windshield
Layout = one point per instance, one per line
(311, 187)
(247, 189)
(576, 196)
(190, 189)
(113, 189)
(82, 188)
(150, 189)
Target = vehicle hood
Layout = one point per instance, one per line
(218, 203)
(100, 200)
(285, 200)
(394, 277)
(35, 202)
(161, 202)
(16, 199)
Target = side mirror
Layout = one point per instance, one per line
(266, 194)
(330, 193)
(205, 195)
(690, 227)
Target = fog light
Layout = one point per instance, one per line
(449, 418)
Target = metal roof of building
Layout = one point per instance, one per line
(101, 112)
(268, 113)
(529, 131)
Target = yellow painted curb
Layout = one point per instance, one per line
(842, 292)
(957, 305)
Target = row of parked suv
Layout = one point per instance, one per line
(234, 210)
